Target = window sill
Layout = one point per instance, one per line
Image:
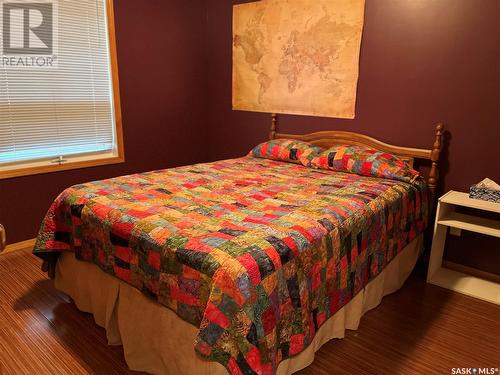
(45, 167)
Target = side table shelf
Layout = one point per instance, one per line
(447, 217)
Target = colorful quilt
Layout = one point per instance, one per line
(256, 253)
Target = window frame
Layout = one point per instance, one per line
(85, 161)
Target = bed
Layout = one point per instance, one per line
(243, 266)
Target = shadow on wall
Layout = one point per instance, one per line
(444, 162)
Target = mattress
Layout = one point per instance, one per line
(256, 254)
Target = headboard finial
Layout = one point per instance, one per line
(436, 151)
(274, 124)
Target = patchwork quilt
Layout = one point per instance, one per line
(256, 253)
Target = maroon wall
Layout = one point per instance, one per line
(421, 62)
(161, 57)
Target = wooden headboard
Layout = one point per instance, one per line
(331, 138)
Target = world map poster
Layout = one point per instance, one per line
(297, 56)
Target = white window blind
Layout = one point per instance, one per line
(66, 110)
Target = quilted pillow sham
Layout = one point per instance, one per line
(365, 162)
(293, 151)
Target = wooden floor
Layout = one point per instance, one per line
(421, 329)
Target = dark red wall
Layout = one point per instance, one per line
(421, 62)
(161, 56)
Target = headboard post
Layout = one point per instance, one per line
(436, 151)
(274, 124)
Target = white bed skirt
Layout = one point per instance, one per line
(157, 341)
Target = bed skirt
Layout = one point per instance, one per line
(157, 341)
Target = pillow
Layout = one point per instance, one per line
(365, 162)
(289, 150)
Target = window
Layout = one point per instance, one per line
(64, 113)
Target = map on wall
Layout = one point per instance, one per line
(297, 56)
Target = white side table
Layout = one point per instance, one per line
(447, 217)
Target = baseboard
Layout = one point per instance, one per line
(19, 246)
(471, 271)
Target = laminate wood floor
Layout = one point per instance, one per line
(422, 329)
